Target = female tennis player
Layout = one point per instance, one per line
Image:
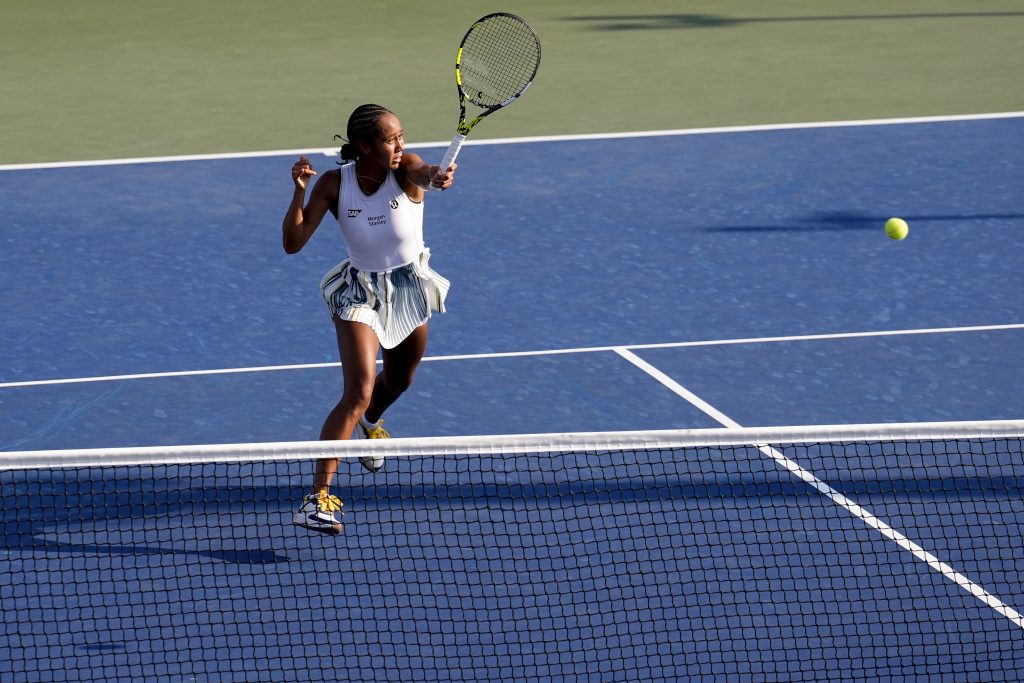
(381, 295)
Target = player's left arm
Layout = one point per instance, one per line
(424, 176)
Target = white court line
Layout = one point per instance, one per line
(333, 151)
(521, 354)
(158, 375)
(835, 496)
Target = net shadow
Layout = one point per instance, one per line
(113, 511)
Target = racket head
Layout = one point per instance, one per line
(497, 60)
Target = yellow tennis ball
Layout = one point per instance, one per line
(896, 228)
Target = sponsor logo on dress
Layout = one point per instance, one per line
(352, 213)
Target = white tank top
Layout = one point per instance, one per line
(383, 230)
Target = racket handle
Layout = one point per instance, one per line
(453, 151)
(449, 156)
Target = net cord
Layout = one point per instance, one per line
(578, 442)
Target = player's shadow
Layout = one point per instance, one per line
(42, 541)
(245, 555)
(648, 22)
(850, 221)
(212, 523)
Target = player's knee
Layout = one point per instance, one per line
(357, 397)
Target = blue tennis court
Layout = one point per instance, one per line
(151, 304)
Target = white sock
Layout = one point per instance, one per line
(369, 425)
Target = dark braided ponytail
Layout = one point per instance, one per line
(362, 127)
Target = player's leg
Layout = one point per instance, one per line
(392, 381)
(357, 346)
(397, 373)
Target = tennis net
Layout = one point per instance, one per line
(873, 552)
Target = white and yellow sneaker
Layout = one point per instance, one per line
(373, 431)
(317, 513)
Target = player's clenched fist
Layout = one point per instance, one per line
(301, 171)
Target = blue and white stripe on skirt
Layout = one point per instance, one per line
(393, 302)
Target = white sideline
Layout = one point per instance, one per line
(520, 354)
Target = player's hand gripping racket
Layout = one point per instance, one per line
(495, 64)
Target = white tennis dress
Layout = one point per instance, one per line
(386, 281)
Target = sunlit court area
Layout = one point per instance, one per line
(701, 362)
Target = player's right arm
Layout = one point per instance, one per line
(300, 223)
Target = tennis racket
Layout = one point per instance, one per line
(496, 62)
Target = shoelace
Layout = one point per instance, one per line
(329, 503)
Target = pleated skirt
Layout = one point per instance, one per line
(392, 302)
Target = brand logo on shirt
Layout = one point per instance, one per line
(394, 203)
(352, 213)
(378, 220)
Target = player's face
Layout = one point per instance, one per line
(390, 144)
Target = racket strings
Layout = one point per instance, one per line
(500, 57)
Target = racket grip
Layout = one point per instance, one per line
(453, 151)
(449, 156)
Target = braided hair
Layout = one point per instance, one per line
(362, 127)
